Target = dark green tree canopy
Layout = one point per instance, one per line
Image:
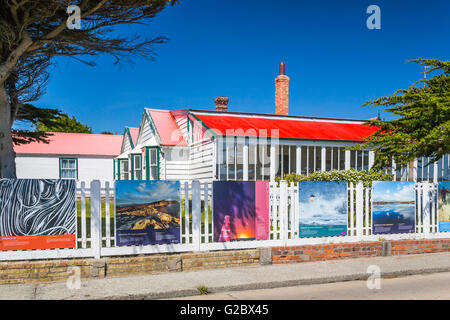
(422, 125)
(63, 123)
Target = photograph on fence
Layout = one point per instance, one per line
(393, 207)
(240, 210)
(323, 208)
(444, 206)
(147, 212)
(37, 214)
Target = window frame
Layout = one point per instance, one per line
(61, 159)
(149, 165)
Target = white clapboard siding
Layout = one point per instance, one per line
(201, 164)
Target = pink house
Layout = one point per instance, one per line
(79, 156)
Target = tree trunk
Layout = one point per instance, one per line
(7, 154)
(411, 170)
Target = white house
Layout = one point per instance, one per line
(79, 156)
(220, 145)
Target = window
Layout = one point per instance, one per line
(231, 159)
(68, 168)
(221, 158)
(124, 169)
(153, 164)
(287, 160)
(137, 166)
(335, 158)
(239, 159)
(252, 160)
(265, 154)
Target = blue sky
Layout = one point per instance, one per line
(393, 191)
(233, 48)
(140, 192)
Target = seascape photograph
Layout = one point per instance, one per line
(393, 207)
(323, 208)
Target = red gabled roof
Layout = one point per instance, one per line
(289, 128)
(134, 132)
(63, 143)
(167, 128)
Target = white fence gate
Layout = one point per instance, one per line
(96, 229)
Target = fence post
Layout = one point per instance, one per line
(206, 214)
(196, 215)
(107, 215)
(83, 214)
(96, 219)
(359, 214)
(283, 211)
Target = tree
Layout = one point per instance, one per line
(34, 32)
(63, 123)
(30, 114)
(422, 126)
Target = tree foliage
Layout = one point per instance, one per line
(422, 124)
(30, 114)
(63, 123)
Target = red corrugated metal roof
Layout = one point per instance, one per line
(288, 128)
(167, 128)
(63, 143)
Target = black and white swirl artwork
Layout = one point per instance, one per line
(30, 207)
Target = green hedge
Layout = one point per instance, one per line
(351, 175)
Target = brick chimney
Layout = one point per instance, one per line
(282, 92)
(221, 104)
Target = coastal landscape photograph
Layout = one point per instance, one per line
(393, 207)
(444, 206)
(147, 212)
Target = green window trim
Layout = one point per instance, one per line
(148, 164)
(76, 166)
(133, 169)
(119, 172)
(127, 130)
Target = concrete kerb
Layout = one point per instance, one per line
(273, 284)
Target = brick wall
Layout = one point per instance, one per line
(219, 259)
(37, 271)
(59, 270)
(419, 246)
(323, 252)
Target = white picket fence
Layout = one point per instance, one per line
(96, 231)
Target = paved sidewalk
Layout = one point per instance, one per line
(181, 284)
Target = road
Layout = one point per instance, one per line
(434, 286)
